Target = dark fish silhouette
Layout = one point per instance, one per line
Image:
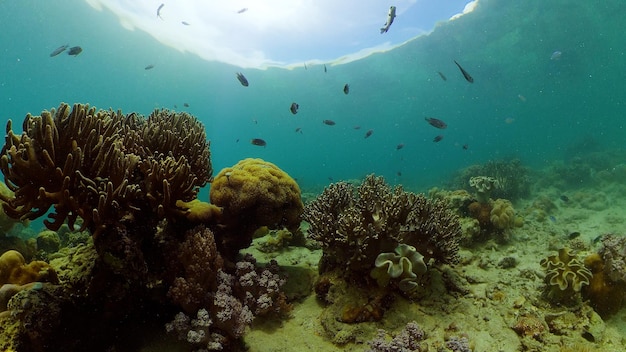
(465, 146)
(186, 105)
(436, 123)
(325, 70)
(299, 129)
(305, 66)
(346, 89)
(564, 198)
(159, 11)
(368, 133)
(438, 138)
(465, 74)
(258, 141)
(242, 79)
(400, 146)
(59, 50)
(149, 67)
(442, 76)
(329, 122)
(75, 50)
(294, 108)
(573, 235)
(357, 127)
(185, 23)
(243, 10)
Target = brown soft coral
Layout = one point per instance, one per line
(102, 166)
(255, 193)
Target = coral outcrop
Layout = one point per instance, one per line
(502, 215)
(512, 177)
(483, 185)
(254, 193)
(565, 277)
(103, 167)
(355, 226)
(14, 270)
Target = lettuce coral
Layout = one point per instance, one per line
(103, 167)
(565, 277)
(255, 193)
(405, 264)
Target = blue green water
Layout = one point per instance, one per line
(522, 103)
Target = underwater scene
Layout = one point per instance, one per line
(460, 190)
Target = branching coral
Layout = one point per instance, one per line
(565, 277)
(355, 227)
(255, 193)
(102, 166)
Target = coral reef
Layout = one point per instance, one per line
(355, 227)
(254, 193)
(565, 277)
(7, 222)
(512, 177)
(407, 340)
(14, 270)
(502, 215)
(405, 264)
(103, 167)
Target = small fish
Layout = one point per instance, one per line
(75, 50)
(186, 105)
(399, 173)
(573, 235)
(237, 141)
(564, 198)
(329, 122)
(552, 218)
(175, 106)
(436, 123)
(465, 146)
(390, 16)
(159, 11)
(442, 76)
(59, 50)
(294, 108)
(400, 146)
(305, 66)
(149, 67)
(438, 138)
(242, 79)
(243, 10)
(521, 98)
(255, 121)
(346, 89)
(325, 70)
(465, 74)
(368, 133)
(357, 127)
(299, 129)
(556, 55)
(258, 141)
(185, 23)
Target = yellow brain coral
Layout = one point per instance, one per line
(256, 193)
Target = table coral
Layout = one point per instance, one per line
(103, 167)
(255, 193)
(355, 227)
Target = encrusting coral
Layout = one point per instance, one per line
(255, 193)
(565, 277)
(355, 227)
(103, 167)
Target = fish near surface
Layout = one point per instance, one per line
(294, 108)
(438, 138)
(329, 122)
(368, 133)
(258, 141)
(465, 74)
(75, 50)
(346, 89)
(442, 76)
(400, 146)
(242, 79)
(149, 67)
(59, 50)
(159, 11)
(436, 123)
(390, 17)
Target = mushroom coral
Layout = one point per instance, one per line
(354, 227)
(102, 166)
(255, 193)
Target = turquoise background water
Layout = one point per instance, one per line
(522, 104)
